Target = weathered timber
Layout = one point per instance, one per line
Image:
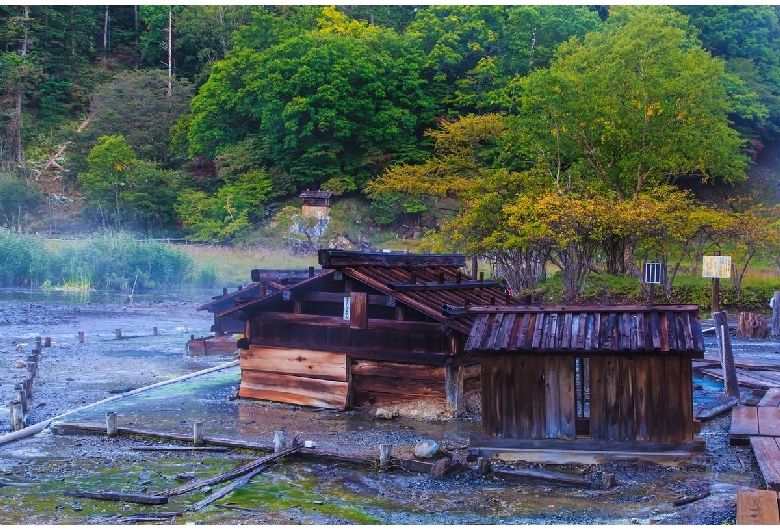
(134, 498)
(757, 507)
(222, 492)
(731, 382)
(295, 361)
(744, 424)
(378, 324)
(182, 448)
(333, 259)
(540, 476)
(751, 326)
(771, 398)
(767, 453)
(707, 411)
(447, 286)
(235, 473)
(690, 498)
(769, 421)
(295, 390)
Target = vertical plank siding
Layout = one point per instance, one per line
(627, 373)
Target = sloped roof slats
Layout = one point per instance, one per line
(629, 330)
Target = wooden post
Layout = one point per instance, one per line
(47, 342)
(453, 388)
(483, 465)
(154, 331)
(197, 433)
(118, 333)
(385, 450)
(714, 299)
(111, 429)
(474, 266)
(28, 385)
(32, 369)
(730, 381)
(21, 395)
(37, 343)
(775, 314)
(280, 441)
(17, 416)
(608, 480)
(81, 336)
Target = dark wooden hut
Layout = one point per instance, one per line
(369, 329)
(594, 376)
(316, 203)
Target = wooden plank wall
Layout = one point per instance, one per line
(296, 376)
(529, 396)
(376, 383)
(641, 398)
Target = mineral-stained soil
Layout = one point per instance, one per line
(36, 472)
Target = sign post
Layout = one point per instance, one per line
(652, 276)
(716, 267)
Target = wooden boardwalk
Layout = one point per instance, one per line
(760, 426)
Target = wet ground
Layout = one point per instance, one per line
(36, 472)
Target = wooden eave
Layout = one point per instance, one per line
(572, 330)
(235, 294)
(254, 304)
(336, 259)
(430, 301)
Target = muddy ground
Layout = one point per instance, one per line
(36, 472)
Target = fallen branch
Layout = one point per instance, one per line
(547, 477)
(119, 496)
(239, 471)
(688, 500)
(16, 484)
(140, 517)
(243, 481)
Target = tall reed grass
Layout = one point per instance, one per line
(215, 265)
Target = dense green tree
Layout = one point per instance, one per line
(108, 162)
(340, 101)
(748, 38)
(137, 105)
(635, 105)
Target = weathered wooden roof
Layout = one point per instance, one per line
(316, 194)
(637, 330)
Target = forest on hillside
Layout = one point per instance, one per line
(575, 135)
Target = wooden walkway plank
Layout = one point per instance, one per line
(771, 398)
(757, 507)
(768, 421)
(744, 423)
(768, 457)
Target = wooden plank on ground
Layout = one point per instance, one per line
(755, 379)
(744, 423)
(309, 363)
(771, 398)
(767, 454)
(757, 507)
(768, 421)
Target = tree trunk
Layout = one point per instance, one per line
(751, 326)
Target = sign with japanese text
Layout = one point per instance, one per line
(716, 267)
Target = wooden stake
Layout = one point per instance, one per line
(111, 429)
(384, 455)
(118, 333)
(21, 395)
(776, 314)
(81, 336)
(47, 342)
(483, 465)
(280, 440)
(154, 331)
(730, 381)
(17, 416)
(32, 368)
(197, 433)
(608, 480)
(37, 343)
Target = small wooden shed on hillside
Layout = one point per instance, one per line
(596, 377)
(369, 329)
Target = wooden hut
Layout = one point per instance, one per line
(369, 329)
(598, 379)
(316, 203)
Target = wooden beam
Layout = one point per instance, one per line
(572, 308)
(446, 286)
(404, 326)
(333, 259)
(757, 507)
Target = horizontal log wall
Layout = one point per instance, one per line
(296, 376)
(384, 382)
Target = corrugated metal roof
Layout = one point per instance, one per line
(589, 330)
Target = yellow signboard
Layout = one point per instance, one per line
(716, 267)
